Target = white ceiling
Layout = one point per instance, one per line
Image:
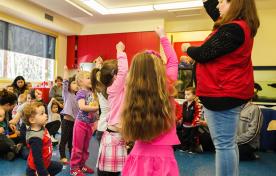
(67, 10)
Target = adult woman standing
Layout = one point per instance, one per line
(225, 74)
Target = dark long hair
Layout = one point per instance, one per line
(18, 89)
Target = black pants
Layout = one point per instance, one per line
(6, 144)
(188, 138)
(246, 152)
(66, 137)
(105, 173)
(53, 169)
(53, 127)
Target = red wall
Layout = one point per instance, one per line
(104, 45)
(70, 61)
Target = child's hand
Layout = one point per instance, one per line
(160, 31)
(2, 131)
(185, 46)
(65, 68)
(120, 47)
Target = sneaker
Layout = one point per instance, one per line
(86, 169)
(76, 172)
(197, 149)
(64, 161)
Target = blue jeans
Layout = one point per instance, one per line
(223, 127)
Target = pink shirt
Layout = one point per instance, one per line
(116, 90)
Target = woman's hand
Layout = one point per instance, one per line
(185, 46)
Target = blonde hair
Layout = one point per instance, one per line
(29, 111)
(241, 9)
(80, 75)
(147, 110)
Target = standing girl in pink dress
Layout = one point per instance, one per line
(148, 114)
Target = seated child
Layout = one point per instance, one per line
(54, 120)
(39, 141)
(248, 138)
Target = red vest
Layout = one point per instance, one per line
(230, 75)
(47, 150)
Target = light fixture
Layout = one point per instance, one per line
(79, 7)
(131, 9)
(178, 5)
(93, 4)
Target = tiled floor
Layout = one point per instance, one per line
(189, 164)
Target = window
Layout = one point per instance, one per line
(27, 53)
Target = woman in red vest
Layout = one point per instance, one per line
(224, 74)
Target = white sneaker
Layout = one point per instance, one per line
(54, 140)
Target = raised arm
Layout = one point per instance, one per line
(211, 8)
(172, 62)
(119, 82)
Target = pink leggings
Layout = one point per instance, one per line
(82, 134)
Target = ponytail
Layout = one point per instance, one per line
(97, 86)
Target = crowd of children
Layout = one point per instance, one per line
(124, 104)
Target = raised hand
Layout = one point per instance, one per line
(185, 46)
(120, 47)
(160, 31)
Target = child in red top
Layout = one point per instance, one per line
(39, 141)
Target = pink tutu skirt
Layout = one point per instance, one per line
(150, 160)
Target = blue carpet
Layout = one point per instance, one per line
(189, 164)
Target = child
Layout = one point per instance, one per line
(39, 141)
(188, 125)
(70, 112)
(100, 91)
(84, 122)
(54, 120)
(148, 115)
(10, 88)
(248, 137)
(113, 76)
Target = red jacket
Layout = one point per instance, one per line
(230, 75)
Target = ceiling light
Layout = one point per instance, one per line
(79, 7)
(131, 9)
(96, 6)
(178, 5)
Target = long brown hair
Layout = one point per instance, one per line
(147, 110)
(241, 9)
